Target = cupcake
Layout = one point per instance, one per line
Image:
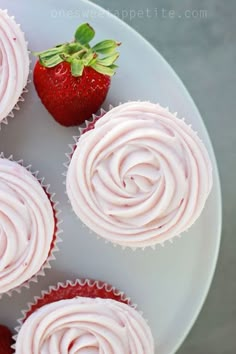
(83, 317)
(6, 340)
(14, 65)
(29, 226)
(138, 175)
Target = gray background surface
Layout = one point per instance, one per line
(198, 39)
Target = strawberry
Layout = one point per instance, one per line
(5, 340)
(73, 79)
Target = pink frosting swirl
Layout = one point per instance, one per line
(26, 225)
(85, 326)
(140, 177)
(14, 63)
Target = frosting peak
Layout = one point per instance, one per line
(85, 326)
(26, 225)
(14, 63)
(140, 177)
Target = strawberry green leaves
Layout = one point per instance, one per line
(79, 54)
(74, 47)
(77, 67)
(52, 61)
(106, 65)
(89, 58)
(84, 34)
(106, 47)
(51, 57)
(106, 70)
(109, 60)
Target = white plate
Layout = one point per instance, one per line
(169, 284)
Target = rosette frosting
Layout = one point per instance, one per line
(26, 225)
(85, 326)
(140, 177)
(14, 63)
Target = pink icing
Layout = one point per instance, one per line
(140, 177)
(14, 63)
(85, 326)
(26, 225)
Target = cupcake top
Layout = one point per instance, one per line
(26, 225)
(140, 177)
(85, 325)
(14, 63)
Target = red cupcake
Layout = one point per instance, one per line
(83, 316)
(29, 223)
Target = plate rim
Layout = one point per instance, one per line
(217, 186)
(217, 182)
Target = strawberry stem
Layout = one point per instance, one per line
(101, 57)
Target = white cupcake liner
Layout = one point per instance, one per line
(66, 164)
(25, 89)
(56, 237)
(82, 282)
